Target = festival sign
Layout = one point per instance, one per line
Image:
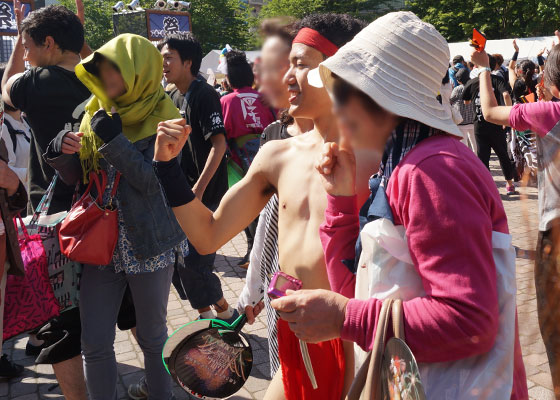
(7, 16)
(164, 22)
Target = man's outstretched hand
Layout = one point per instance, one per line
(171, 137)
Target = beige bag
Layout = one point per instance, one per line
(368, 379)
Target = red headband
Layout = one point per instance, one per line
(312, 38)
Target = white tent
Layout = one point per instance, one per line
(212, 60)
(528, 48)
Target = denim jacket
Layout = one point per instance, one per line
(151, 224)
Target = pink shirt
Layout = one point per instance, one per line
(543, 119)
(539, 117)
(449, 204)
(244, 113)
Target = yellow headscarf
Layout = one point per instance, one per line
(141, 108)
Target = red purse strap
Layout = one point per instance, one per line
(23, 227)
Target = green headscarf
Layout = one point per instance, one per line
(141, 108)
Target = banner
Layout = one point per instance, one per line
(7, 17)
(163, 22)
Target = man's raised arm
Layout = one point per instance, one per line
(16, 65)
(208, 231)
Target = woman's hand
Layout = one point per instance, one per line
(314, 315)
(8, 179)
(71, 144)
(480, 58)
(171, 137)
(543, 93)
(253, 311)
(337, 166)
(106, 127)
(515, 46)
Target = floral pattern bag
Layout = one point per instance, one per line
(30, 300)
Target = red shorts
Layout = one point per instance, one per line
(328, 363)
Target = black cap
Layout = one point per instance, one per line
(458, 59)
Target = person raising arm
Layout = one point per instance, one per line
(242, 204)
(543, 118)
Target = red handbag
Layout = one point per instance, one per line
(90, 231)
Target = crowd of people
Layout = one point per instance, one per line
(340, 138)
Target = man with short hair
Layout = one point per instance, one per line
(51, 39)
(203, 164)
(285, 167)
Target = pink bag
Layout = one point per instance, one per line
(30, 300)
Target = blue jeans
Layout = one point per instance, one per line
(101, 294)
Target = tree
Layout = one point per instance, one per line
(498, 19)
(292, 8)
(219, 22)
(98, 23)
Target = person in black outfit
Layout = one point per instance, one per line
(203, 163)
(51, 39)
(489, 136)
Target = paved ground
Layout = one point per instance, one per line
(37, 382)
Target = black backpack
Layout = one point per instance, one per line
(14, 132)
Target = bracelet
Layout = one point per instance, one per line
(174, 184)
(481, 70)
(515, 55)
(540, 59)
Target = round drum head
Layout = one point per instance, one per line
(210, 361)
(400, 372)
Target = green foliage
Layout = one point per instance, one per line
(98, 20)
(219, 22)
(498, 19)
(366, 9)
(292, 8)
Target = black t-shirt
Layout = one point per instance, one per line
(203, 112)
(53, 99)
(472, 93)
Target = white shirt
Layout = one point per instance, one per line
(18, 161)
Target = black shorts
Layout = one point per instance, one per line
(62, 336)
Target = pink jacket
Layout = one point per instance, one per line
(449, 205)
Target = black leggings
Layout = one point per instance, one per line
(496, 141)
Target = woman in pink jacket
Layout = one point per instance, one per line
(459, 297)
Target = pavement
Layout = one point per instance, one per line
(38, 381)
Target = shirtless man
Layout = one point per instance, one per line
(287, 168)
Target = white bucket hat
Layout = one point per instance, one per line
(399, 61)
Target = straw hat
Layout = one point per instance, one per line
(399, 61)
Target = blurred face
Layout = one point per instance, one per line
(113, 82)
(365, 129)
(174, 69)
(36, 55)
(274, 65)
(305, 100)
